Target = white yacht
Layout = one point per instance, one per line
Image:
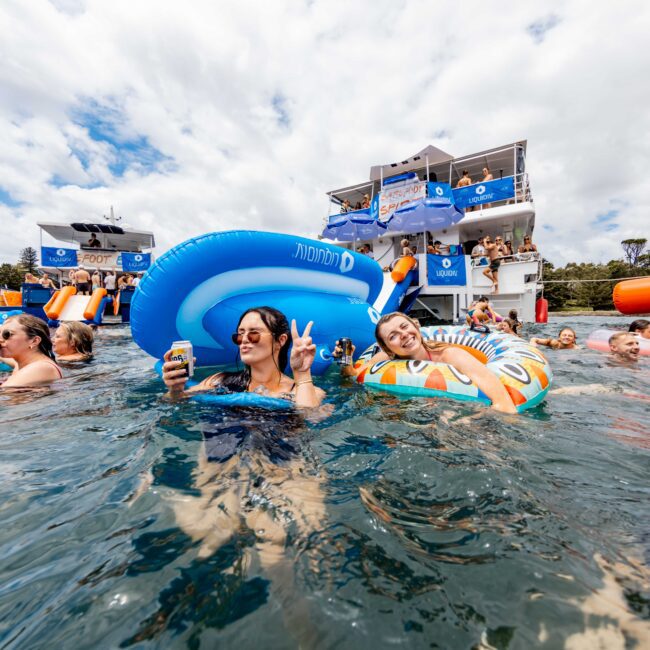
(419, 199)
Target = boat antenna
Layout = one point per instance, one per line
(112, 219)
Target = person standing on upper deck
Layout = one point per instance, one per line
(366, 201)
(527, 246)
(487, 176)
(478, 253)
(93, 242)
(465, 180)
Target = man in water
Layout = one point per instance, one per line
(624, 347)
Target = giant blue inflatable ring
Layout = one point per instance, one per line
(198, 290)
(522, 369)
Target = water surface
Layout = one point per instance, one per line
(129, 521)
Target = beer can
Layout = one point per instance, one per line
(346, 355)
(182, 351)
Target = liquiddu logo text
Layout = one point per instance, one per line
(324, 256)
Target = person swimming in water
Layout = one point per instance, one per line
(640, 327)
(26, 347)
(399, 337)
(73, 341)
(263, 338)
(566, 340)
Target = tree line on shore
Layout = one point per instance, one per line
(589, 286)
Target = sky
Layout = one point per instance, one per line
(191, 117)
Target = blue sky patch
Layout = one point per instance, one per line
(548, 228)
(7, 199)
(605, 217)
(541, 27)
(129, 150)
(279, 103)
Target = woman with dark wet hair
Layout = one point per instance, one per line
(25, 345)
(264, 339)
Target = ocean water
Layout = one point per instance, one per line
(130, 521)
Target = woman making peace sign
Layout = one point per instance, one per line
(263, 338)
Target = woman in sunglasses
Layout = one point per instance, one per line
(263, 338)
(25, 345)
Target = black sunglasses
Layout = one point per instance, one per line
(6, 335)
(253, 337)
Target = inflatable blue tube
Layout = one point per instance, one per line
(250, 400)
(198, 290)
(8, 314)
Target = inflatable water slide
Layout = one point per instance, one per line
(66, 305)
(198, 290)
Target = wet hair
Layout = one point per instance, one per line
(80, 336)
(483, 299)
(404, 242)
(276, 321)
(639, 325)
(429, 345)
(569, 329)
(513, 315)
(34, 326)
(514, 324)
(465, 172)
(617, 336)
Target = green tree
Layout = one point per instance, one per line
(11, 276)
(28, 259)
(633, 248)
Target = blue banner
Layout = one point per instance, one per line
(488, 192)
(440, 193)
(136, 261)
(446, 269)
(58, 257)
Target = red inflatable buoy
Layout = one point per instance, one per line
(541, 310)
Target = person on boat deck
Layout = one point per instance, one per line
(566, 340)
(93, 242)
(399, 337)
(46, 282)
(31, 279)
(25, 345)
(109, 283)
(72, 277)
(96, 280)
(481, 314)
(527, 246)
(508, 250)
(136, 279)
(406, 247)
(82, 281)
(493, 252)
(487, 176)
(478, 253)
(357, 205)
(366, 202)
(263, 338)
(465, 180)
(345, 207)
(640, 327)
(73, 341)
(624, 347)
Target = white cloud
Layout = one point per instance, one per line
(263, 107)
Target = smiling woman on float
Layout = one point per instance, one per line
(566, 340)
(73, 342)
(400, 338)
(264, 339)
(25, 345)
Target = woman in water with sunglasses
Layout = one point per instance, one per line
(25, 345)
(263, 338)
(399, 337)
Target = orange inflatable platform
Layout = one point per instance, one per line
(632, 296)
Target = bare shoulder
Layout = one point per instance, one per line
(208, 382)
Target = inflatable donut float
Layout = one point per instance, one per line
(198, 290)
(522, 369)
